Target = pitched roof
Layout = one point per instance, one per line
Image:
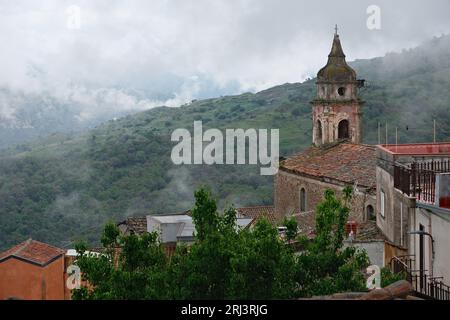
(369, 231)
(306, 222)
(257, 212)
(34, 252)
(344, 161)
(136, 225)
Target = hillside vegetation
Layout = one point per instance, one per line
(65, 187)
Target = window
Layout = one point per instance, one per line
(319, 132)
(343, 132)
(341, 91)
(302, 200)
(370, 213)
(382, 202)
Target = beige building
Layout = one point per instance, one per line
(413, 211)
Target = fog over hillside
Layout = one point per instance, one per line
(63, 188)
(130, 57)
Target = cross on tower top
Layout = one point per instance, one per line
(336, 30)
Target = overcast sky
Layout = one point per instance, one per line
(144, 53)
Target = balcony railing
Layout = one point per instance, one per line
(425, 286)
(419, 179)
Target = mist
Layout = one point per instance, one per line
(124, 57)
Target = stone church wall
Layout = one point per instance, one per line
(287, 188)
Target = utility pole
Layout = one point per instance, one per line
(396, 138)
(434, 130)
(379, 133)
(386, 133)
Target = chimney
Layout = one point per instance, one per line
(351, 227)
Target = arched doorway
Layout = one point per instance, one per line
(343, 130)
(319, 132)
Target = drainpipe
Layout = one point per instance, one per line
(431, 247)
(419, 232)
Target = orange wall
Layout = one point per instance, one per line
(24, 280)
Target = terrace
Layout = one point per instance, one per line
(422, 171)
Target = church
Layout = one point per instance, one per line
(336, 159)
(400, 209)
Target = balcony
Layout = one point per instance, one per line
(419, 180)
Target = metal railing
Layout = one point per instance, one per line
(419, 180)
(424, 286)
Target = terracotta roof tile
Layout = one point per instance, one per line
(368, 231)
(345, 162)
(136, 225)
(34, 252)
(257, 212)
(306, 222)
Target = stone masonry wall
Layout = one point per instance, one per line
(287, 188)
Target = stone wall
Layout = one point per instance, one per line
(330, 115)
(287, 188)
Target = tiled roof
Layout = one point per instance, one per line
(344, 161)
(368, 231)
(257, 212)
(136, 225)
(34, 252)
(306, 222)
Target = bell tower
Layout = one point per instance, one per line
(337, 110)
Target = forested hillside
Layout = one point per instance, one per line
(65, 187)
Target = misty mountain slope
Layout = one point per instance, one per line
(64, 187)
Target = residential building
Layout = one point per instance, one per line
(32, 270)
(413, 183)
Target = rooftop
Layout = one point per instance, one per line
(258, 212)
(343, 161)
(138, 225)
(368, 231)
(186, 227)
(417, 148)
(176, 218)
(34, 252)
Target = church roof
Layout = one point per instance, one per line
(343, 162)
(337, 68)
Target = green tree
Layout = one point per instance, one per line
(325, 267)
(131, 267)
(388, 277)
(228, 263)
(291, 228)
(225, 261)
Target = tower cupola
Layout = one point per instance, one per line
(337, 110)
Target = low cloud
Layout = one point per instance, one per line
(135, 55)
